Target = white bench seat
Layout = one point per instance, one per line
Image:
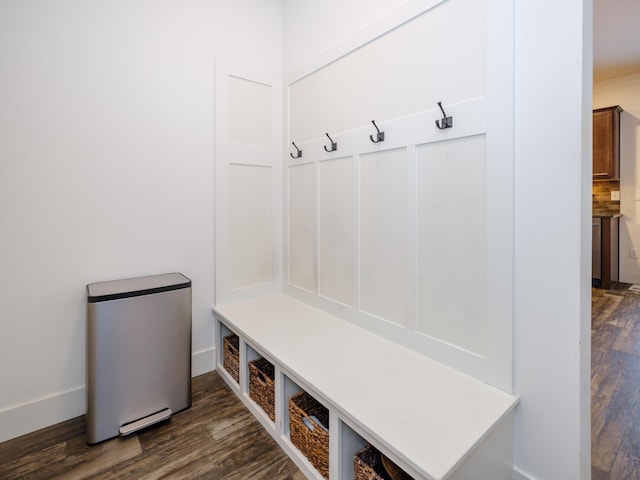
(429, 415)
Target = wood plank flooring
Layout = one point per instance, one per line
(217, 438)
(615, 384)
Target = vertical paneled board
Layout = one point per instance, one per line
(336, 232)
(405, 236)
(383, 246)
(248, 195)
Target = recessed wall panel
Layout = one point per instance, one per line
(383, 237)
(249, 225)
(302, 226)
(336, 230)
(250, 115)
(451, 243)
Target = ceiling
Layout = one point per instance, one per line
(616, 38)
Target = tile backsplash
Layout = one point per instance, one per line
(602, 196)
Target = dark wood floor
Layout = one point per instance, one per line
(615, 384)
(217, 438)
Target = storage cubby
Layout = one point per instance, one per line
(361, 459)
(371, 464)
(261, 382)
(230, 352)
(309, 430)
(251, 354)
(289, 388)
(350, 443)
(222, 331)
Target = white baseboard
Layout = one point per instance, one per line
(630, 277)
(18, 420)
(203, 361)
(520, 475)
(28, 417)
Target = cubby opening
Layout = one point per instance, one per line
(230, 353)
(289, 388)
(309, 430)
(362, 460)
(260, 373)
(350, 443)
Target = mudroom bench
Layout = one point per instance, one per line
(430, 420)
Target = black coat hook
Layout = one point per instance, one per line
(379, 135)
(298, 153)
(447, 122)
(334, 145)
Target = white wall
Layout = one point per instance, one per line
(552, 246)
(625, 91)
(552, 238)
(107, 146)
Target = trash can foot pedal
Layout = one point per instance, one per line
(128, 428)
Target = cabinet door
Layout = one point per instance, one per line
(606, 137)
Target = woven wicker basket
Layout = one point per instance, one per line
(310, 435)
(262, 387)
(370, 464)
(231, 356)
(394, 471)
(367, 465)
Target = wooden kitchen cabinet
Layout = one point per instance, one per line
(606, 143)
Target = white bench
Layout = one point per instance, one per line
(433, 421)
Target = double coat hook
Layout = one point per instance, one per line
(447, 122)
(334, 145)
(298, 153)
(379, 135)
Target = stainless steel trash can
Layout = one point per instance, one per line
(138, 353)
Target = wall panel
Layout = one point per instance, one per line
(250, 225)
(383, 242)
(451, 242)
(249, 111)
(302, 226)
(248, 181)
(336, 231)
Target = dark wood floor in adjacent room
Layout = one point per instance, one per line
(217, 438)
(615, 384)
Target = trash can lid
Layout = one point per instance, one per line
(134, 287)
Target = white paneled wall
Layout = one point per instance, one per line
(439, 55)
(395, 236)
(248, 180)
(392, 235)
